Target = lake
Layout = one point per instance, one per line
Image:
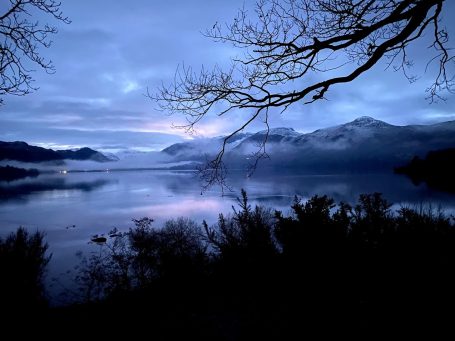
(72, 207)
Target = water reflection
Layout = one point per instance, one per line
(275, 189)
(94, 203)
(22, 190)
(102, 200)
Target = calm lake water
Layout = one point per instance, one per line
(72, 207)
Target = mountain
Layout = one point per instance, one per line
(199, 149)
(21, 151)
(83, 154)
(363, 145)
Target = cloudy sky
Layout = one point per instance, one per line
(114, 50)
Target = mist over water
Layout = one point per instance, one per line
(72, 207)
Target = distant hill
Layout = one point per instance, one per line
(197, 149)
(84, 154)
(363, 145)
(21, 151)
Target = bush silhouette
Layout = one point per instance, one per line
(256, 273)
(135, 259)
(245, 236)
(23, 262)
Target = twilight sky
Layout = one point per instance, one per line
(113, 50)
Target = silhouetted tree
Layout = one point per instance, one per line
(246, 236)
(20, 41)
(310, 230)
(132, 260)
(292, 49)
(364, 269)
(23, 262)
(372, 220)
(175, 250)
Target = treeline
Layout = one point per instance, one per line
(23, 262)
(259, 273)
(436, 170)
(9, 173)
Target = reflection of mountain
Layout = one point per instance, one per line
(364, 144)
(278, 190)
(21, 151)
(17, 190)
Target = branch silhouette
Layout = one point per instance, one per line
(21, 39)
(295, 51)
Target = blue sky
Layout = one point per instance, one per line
(114, 50)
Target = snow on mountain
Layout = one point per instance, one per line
(282, 131)
(111, 156)
(346, 135)
(364, 143)
(199, 148)
(367, 122)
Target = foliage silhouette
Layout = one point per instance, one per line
(23, 262)
(296, 51)
(134, 259)
(21, 41)
(246, 235)
(350, 270)
(256, 273)
(436, 170)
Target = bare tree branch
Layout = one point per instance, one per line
(20, 41)
(296, 50)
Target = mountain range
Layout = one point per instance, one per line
(23, 152)
(363, 145)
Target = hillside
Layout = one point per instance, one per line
(363, 145)
(23, 152)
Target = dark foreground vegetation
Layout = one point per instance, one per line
(257, 274)
(23, 261)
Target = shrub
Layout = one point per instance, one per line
(23, 262)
